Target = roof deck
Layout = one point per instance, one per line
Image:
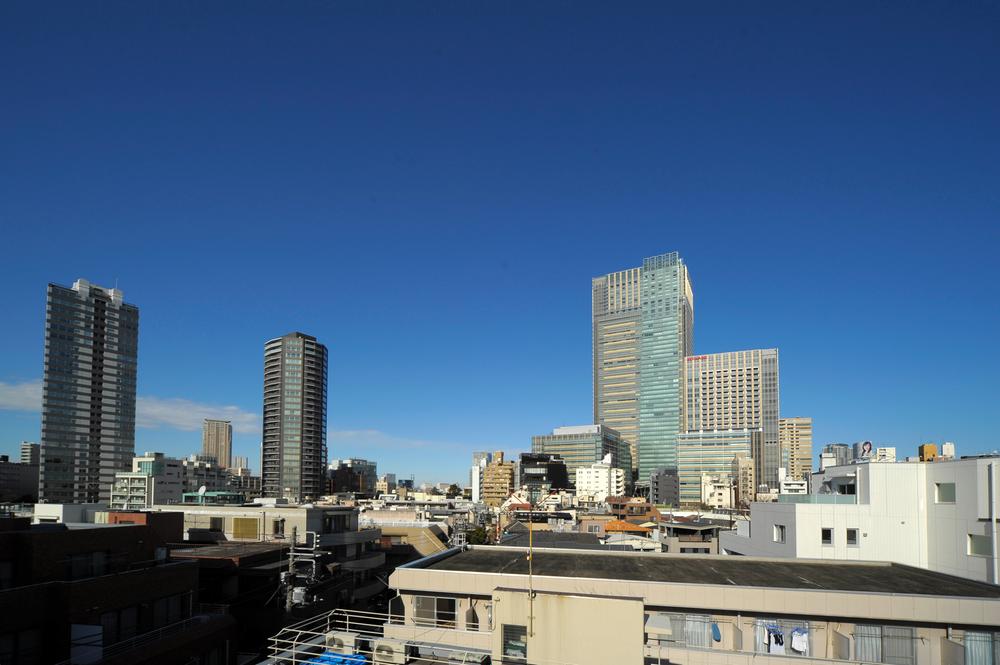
(806, 575)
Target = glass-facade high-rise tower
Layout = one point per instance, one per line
(666, 337)
(293, 452)
(736, 390)
(88, 393)
(643, 322)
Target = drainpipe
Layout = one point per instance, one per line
(993, 517)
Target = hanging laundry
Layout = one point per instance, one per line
(800, 640)
(775, 640)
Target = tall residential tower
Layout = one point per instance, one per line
(88, 394)
(795, 436)
(217, 441)
(643, 322)
(293, 453)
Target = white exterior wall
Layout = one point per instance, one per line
(600, 481)
(897, 519)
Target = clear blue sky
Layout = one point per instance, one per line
(429, 187)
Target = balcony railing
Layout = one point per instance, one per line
(301, 642)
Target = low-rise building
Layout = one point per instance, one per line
(691, 535)
(712, 452)
(940, 516)
(664, 487)
(541, 474)
(595, 483)
(744, 480)
(632, 607)
(102, 593)
(18, 481)
(154, 478)
(355, 475)
(581, 446)
(789, 485)
(716, 491)
(498, 481)
(200, 471)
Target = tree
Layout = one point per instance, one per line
(477, 536)
(453, 491)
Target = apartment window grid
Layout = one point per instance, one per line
(982, 648)
(686, 630)
(884, 644)
(434, 611)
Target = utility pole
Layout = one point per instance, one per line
(290, 581)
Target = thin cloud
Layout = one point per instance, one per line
(186, 415)
(373, 438)
(151, 412)
(25, 396)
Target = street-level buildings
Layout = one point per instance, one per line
(293, 452)
(664, 487)
(154, 478)
(107, 593)
(737, 390)
(595, 483)
(499, 480)
(940, 516)
(583, 445)
(712, 453)
(744, 480)
(18, 481)
(88, 392)
(840, 453)
(795, 441)
(30, 452)
(643, 321)
(217, 441)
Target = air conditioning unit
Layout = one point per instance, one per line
(341, 642)
(390, 652)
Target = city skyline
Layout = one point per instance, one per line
(434, 209)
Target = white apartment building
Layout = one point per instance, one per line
(887, 454)
(791, 485)
(154, 478)
(716, 491)
(595, 483)
(942, 516)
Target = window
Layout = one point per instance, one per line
(434, 611)
(685, 630)
(944, 492)
(826, 536)
(884, 644)
(245, 528)
(514, 643)
(779, 533)
(980, 545)
(982, 648)
(6, 575)
(216, 523)
(278, 528)
(852, 536)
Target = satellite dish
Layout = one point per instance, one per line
(202, 490)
